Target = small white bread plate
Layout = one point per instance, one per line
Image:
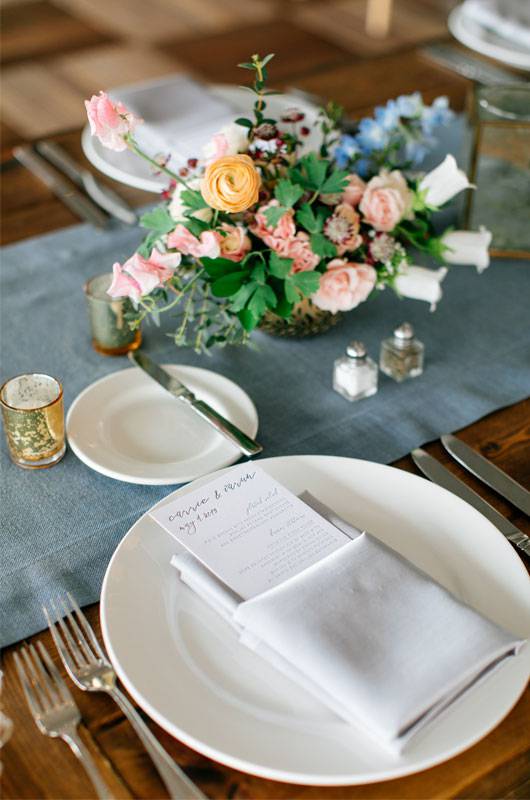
(128, 427)
(488, 43)
(131, 170)
(185, 667)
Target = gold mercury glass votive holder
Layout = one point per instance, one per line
(33, 414)
(111, 334)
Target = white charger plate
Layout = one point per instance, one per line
(474, 36)
(131, 170)
(184, 665)
(128, 427)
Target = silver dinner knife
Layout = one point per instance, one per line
(437, 473)
(172, 384)
(102, 195)
(72, 198)
(456, 60)
(488, 473)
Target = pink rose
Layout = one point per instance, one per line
(236, 244)
(344, 285)
(139, 276)
(279, 237)
(110, 122)
(206, 246)
(386, 200)
(300, 250)
(354, 191)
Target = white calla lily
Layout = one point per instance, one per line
(419, 283)
(443, 183)
(468, 247)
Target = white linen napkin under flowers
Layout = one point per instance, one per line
(367, 633)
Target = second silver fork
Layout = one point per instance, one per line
(90, 669)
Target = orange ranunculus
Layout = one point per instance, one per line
(231, 183)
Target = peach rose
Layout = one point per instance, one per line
(386, 200)
(231, 184)
(344, 285)
(354, 191)
(110, 122)
(236, 244)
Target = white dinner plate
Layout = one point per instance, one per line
(130, 169)
(475, 36)
(128, 427)
(184, 665)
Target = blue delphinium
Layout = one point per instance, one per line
(399, 134)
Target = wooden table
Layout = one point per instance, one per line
(37, 767)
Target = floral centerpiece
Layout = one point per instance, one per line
(261, 230)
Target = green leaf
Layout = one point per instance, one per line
(306, 217)
(195, 226)
(239, 300)
(287, 193)
(284, 308)
(193, 199)
(336, 182)
(159, 220)
(246, 123)
(274, 214)
(322, 247)
(258, 273)
(248, 319)
(279, 267)
(228, 285)
(267, 58)
(217, 267)
(307, 282)
(148, 243)
(291, 294)
(246, 65)
(316, 169)
(262, 299)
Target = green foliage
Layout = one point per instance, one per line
(159, 220)
(287, 193)
(279, 267)
(322, 247)
(193, 199)
(274, 214)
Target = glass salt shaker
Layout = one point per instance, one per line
(355, 374)
(401, 355)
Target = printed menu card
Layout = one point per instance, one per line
(249, 530)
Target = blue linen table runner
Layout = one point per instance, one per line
(61, 525)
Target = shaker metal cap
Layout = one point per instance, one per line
(356, 349)
(404, 332)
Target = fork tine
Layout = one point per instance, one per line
(38, 686)
(87, 627)
(70, 643)
(68, 661)
(79, 635)
(27, 688)
(45, 678)
(55, 675)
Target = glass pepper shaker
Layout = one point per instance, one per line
(355, 374)
(401, 355)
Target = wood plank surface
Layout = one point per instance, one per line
(328, 63)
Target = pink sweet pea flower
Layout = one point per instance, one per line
(139, 276)
(344, 285)
(207, 246)
(110, 122)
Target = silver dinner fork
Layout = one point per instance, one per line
(91, 670)
(53, 708)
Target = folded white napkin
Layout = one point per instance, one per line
(375, 639)
(509, 19)
(180, 115)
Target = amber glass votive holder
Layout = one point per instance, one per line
(33, 415)
(111, 334)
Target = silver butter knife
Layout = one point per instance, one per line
(456, 60)
(488, 473)
(433, 470)
(75, 200)
(172, 384)
(102, 195)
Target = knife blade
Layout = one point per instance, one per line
(437, 473)
(72, 198)
(488, 473)
(175, 387)
(456, 60)
(102, 195)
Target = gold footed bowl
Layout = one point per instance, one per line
(306, 320)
